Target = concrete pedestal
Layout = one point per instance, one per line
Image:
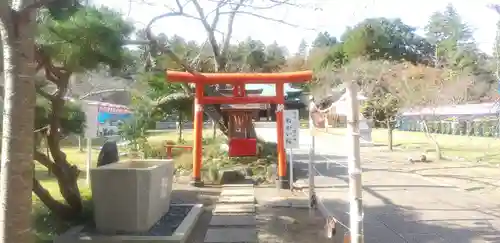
(131, 196)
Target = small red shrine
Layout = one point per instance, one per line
(242, 140)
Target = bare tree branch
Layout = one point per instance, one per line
(230, 23)
(211, 35)
(270, 19)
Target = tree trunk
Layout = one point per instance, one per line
(179, 140)
(16, 173)
(214, 129)
(437, 147)
(62, 210)
(68, 176)
(389, 134)
(80, 144)
(65, 173)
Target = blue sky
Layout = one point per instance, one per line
(268, 90)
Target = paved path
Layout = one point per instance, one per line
(233, 219)
(399, 206)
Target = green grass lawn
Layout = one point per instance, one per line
(467, 147)
(47, 225)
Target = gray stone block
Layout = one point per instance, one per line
(131, 196)
(234, 208)
(230, 235)
(233, 220)
(236, 199)
(237, 192)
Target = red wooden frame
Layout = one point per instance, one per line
(238, 80)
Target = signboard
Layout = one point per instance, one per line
(292, 128)
(104, 119)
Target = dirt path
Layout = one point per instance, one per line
(477, 177)
(285, 218)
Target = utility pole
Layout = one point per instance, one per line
(354, 164)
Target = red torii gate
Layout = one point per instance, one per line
(238, 81)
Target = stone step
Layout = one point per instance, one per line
(233, 220)
(237, 192)
(222, 208)
(237, 185)
(237, 199)
(231, 235)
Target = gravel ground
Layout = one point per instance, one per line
(291, 225)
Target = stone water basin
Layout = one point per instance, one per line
(131, 196)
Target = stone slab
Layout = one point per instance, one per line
(237, 192)
(236, 199)
(233, 220)
(230, 235)
(294, 202)
(234, 208)
(237, 185)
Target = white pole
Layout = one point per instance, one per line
(89, 160)
(291, 169)
(354, 165)
(312, 194)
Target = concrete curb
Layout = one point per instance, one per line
(180, 235)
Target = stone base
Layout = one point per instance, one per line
(233, 220)
(75, 234)
(282, 183)
(227, 235)
(197, 182)
(225, 209)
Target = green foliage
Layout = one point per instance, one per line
(157, 85)
(177, 103)
(87, 38)
(335, 57)
(382, 38)
(72, 118)
(135, 128)
(324, 39)
(62, 9)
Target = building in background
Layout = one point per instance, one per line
(468, 119)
